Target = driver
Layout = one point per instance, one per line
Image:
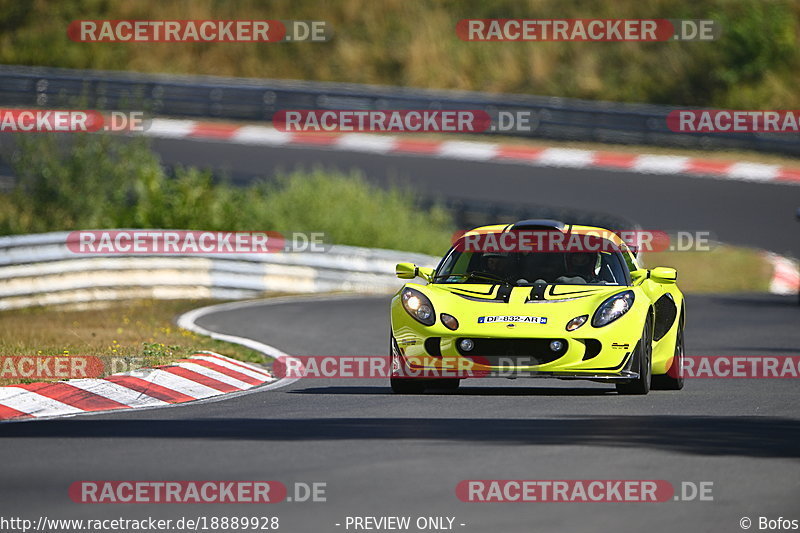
(497, 264)
(584, 265)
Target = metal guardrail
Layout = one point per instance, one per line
(258, 100)
(40, 270)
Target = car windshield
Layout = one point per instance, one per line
(516, 268)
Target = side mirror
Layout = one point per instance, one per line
(636, 275)
(411, 271)
(425, 273)
(664, 275)
(406, 270)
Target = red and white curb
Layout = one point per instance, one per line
(785, 275)
(477, 151)
(199, 377)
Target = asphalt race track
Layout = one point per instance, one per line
(383, 454)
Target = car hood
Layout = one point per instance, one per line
(527, 295)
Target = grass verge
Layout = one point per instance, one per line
(753, 64)
(103, 182)
(723, 269)
(124, 335)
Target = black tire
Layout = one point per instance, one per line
(643, 356)
(402, 385)
(673, 379)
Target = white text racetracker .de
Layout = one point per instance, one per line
(399, 523)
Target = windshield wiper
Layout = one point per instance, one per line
(478, 275)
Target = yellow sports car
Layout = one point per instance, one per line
(506, 302)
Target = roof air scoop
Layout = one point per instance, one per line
(539, 223)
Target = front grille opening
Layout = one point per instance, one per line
(513, 352)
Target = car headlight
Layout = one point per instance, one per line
(418, 306)
(612, 309)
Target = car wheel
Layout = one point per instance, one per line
(643, 356)
(673, 379)
(401, 385)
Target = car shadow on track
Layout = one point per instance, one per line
(697, 435)
(462, 391)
